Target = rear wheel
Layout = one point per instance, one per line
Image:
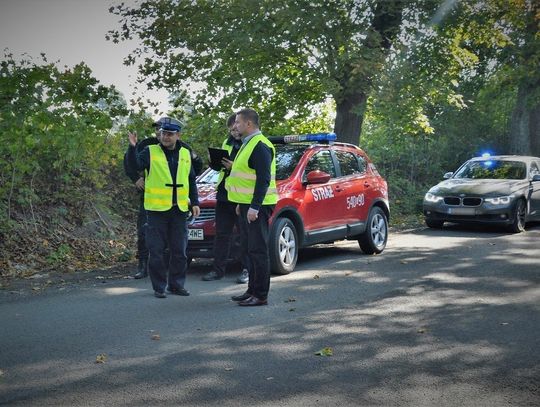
(283, 244)
(373, 240)
(518, 217)
(434, 224)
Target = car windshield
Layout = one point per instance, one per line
(287, 158)
(492, 169)
(208, 177)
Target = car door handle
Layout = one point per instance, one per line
(367, 184)
(338, 188)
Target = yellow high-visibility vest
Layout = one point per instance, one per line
(229, 148)
(158, 186)
(240, 184)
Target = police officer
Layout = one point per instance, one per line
(169, 190)
(138, 179)
(252, 185)
(226, 216)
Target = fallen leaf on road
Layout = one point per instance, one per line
(101, 358)
(270, 378)
(348, 273)
(228, 369)
(403, 262)
(290, 299)
(504, 323)
(421, 330)
(156, 337)
(36, 288)
(325, 352)
(292, 309)
(316, 276)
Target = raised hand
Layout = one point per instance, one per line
(132, 138)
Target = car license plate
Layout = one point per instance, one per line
(195, 234)
(461, 211)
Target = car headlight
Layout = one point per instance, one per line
(433, 198)
(499, 200)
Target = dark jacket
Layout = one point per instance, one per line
(261, 161)
(134, 174)
(221, 194)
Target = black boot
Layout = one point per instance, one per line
(142, 270)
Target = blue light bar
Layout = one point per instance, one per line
(298, 138)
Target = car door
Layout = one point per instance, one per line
(534, 190)
(321, 200)
(353, 182)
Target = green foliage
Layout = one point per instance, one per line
(282, 57)
(56, 130)
(60, 255)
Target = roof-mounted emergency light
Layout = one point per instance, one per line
(297, 138)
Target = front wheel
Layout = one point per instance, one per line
(373, 240)
(518, 217)
(283, 250)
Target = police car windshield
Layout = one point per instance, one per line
(287, 158)
(492, 169)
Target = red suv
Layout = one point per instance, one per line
(328, 191)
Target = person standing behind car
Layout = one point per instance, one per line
(138, 179)
(252, 185)
(169, 190)
(226, 217)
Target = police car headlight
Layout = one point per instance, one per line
(429, 197)
(499, 200)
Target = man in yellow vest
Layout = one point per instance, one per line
(252, 185)
(226, 217)
(170, 189)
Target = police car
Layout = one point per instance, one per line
(328, 191)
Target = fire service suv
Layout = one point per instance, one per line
(328, 191)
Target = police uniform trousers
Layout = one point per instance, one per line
(256, 234)
(142, 224)
(167, 228)
(226, 219)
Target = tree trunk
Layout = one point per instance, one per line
(519, 125)
(534, 127)
(525, 123)
(349, 118)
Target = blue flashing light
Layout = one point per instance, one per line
(486, 155)
(295, 138)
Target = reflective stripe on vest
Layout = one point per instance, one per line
(229, 148)
(158, 188)
(240, 184)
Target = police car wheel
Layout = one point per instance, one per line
(283, 244)
(373, 240)
(518, 217)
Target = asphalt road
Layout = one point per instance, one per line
(441, 318)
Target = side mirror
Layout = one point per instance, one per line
(448, 175)
(317, 177)
(536, 177)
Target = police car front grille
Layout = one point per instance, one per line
(206, 214)
(472, 201)
(452, 200)
(456, 201)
